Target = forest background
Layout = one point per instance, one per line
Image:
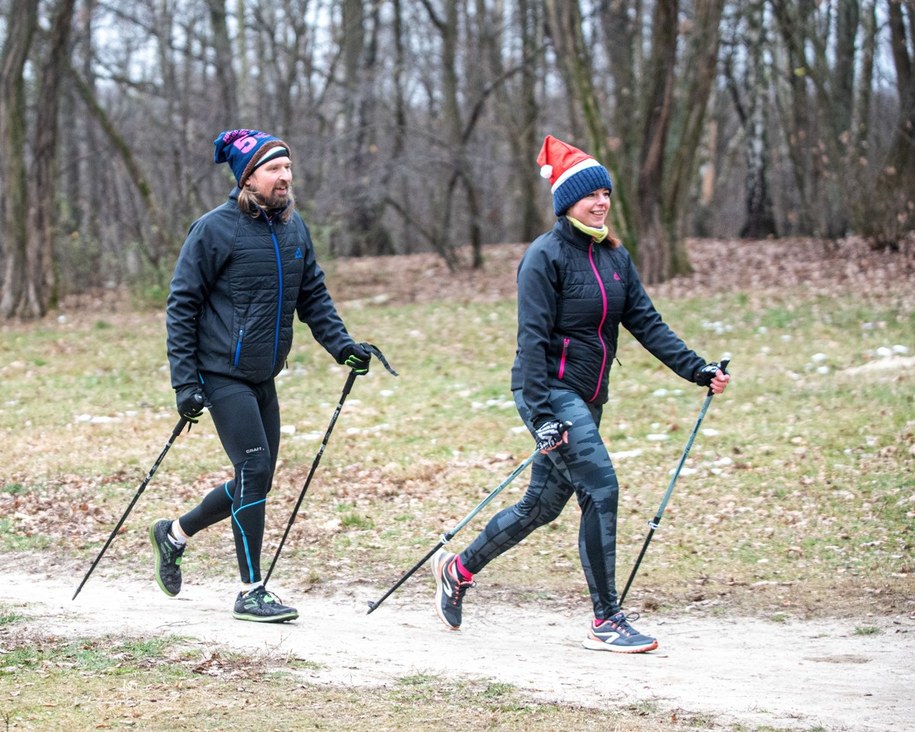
(765, 144)
(415, 124)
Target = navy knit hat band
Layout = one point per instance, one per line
(578, 185)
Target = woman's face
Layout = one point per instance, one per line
(592, 210)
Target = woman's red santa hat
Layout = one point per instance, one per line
(573, 174)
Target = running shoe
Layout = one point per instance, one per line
(168, 557)
(449, 588)
(262, 606)
(617, 635)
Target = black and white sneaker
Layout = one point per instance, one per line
(262, 606)
(168, 557)
(617, 635)
(449, 589)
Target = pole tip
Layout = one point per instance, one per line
(372, 606)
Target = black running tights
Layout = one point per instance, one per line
(247, 419)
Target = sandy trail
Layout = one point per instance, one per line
(794, 675)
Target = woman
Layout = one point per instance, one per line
(246, 269)
(576, 286)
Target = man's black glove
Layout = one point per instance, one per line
(191, 401)
(549, 435)
(704, 376)
(358, 357)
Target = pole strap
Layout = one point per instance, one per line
(380, 356)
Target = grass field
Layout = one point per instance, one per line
(797, 500)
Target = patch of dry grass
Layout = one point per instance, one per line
(169, 683)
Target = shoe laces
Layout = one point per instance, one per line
(174, 553)
(620, 622)
(264, 596)
(460, 587)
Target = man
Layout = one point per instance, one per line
(244, 271)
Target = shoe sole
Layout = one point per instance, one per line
(268, 619)
(598, 645)
(152, 538)
(437, 561)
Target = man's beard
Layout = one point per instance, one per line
(275, 201)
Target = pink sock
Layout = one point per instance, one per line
(464, 574)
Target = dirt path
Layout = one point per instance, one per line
(794, 675)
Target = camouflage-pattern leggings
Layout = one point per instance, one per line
(582, 467)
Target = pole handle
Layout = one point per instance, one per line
(723, 365)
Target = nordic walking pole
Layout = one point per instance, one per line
(449, 535)
(350, 380)
(656, 521)
(179, 427)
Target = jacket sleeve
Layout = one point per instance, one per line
(316, 308)
(201, 258)
(642, 319)
(538, 297)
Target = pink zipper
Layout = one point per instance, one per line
(603, 319)
(562, 361)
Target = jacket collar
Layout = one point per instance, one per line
(569, 234)
(264, 213)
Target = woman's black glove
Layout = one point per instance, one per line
(704, 376)
(191, 401)
(358, 357)
(550, 435)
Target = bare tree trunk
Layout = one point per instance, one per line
(363, 197)
(532, 48)
(400, 112)
(797, 115)
(448, 28)
(750, 95)
(622, 27)
(848, 17)
(524, 138)
(225, 71)
(21, 25)
(243, 79)
(41, 286)
(698, 74)
(896, 182)
(654, 244)
(861, 119)
(517, 110)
